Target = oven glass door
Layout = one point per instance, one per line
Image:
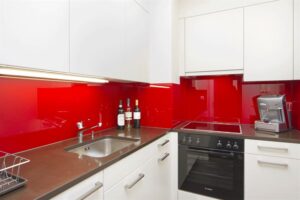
(211, 172)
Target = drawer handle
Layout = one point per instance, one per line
(98, 185)
(129, 186)
(164, 143)
(283, 165)
(284, 150)
(164, 157)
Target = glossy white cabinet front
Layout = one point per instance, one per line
(109, 38)
(35, 34)
(297, 39)
(136, 42)
(214, 42)
(89, 189)
(271, 170)
(269, 41)
(96, 37)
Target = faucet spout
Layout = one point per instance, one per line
(83, 130)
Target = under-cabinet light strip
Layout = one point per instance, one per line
(158, 86)
(16, 72)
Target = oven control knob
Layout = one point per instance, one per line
(228, 145)
(183, 140)
(219, 144)
(235, 146)
(198, 141)
(190, 140)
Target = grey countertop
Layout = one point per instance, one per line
(248, 132)
(52, 169)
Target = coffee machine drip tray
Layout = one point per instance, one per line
(213, 127)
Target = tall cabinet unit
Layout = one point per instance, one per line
(268, 50)
(35, 34)
(214, 42)
(297, 39)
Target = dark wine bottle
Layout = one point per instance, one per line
(137, 115)
(121, 116)
(128, 114)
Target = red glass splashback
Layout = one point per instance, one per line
(227, 98)
(35, 112)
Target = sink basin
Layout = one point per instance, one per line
(102, 147)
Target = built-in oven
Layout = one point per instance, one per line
(211, 165)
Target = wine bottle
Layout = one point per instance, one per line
(121, 116)
(137, 115)
(128, 114)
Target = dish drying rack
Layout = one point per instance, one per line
(10, 167)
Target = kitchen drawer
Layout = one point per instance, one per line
(271, 178)
(89, 189)
(280, 149)
(116, 172)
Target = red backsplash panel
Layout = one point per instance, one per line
(227, 98)
(36, 112)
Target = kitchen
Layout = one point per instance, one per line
(150, 99)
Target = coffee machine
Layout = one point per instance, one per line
(273, 112)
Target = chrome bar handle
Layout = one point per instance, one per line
(129, 186)
(164, 143)
(164, 157)
(98, 185)
(284, 150)
(283, 165)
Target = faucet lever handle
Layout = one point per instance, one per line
(80, 125)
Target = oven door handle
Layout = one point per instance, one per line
(211, 152)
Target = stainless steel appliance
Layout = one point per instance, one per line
(211, 165)
(273, 113)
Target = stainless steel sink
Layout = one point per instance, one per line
(102, 147)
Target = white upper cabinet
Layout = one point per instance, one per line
(214, 42)
(35, 34)
(136, 42)
(96, 37)
(109, 38)
(190, 8)
(297, 39)
(269, 41)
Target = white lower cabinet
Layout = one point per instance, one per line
(152, 180)
(89, 189)
(136, 186)
(143, 175)
(271, 177)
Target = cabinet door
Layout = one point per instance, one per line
(89, 189)
(136, 186)
(136, 41)
(273, 178)
(269, 41)
(162, 172)
(214, 42)
(297, 39)
(96, 37)
(35, 34)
